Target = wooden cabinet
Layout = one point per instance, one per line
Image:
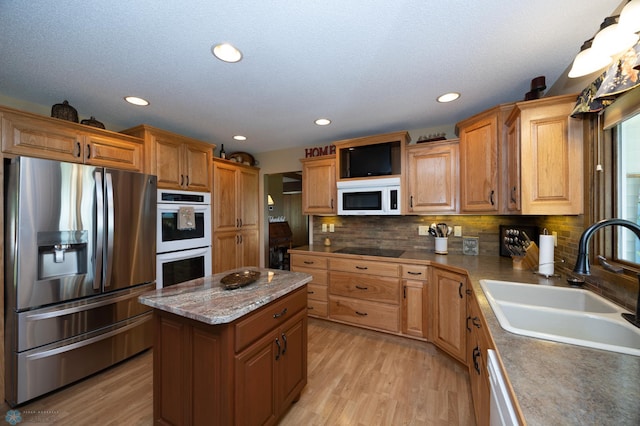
(271, 373)
(245, 372)
(365, 293)
(179, 162)
(235, 209)
(235, 191)
(432, 178)
(235, 249)
(448, 291)
(478, 342)
(481, 138)
(317, 288)
(415, 306)
(38, 136)
(319, 193)
(544, 157)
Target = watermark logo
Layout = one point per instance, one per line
(13, 417)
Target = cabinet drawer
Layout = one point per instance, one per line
(362, 286)
(317, 308)
(317, 292)
(368, 314)
(364, 266)
(308, 261)
(319, 276)
(415, 272)
(268, 317)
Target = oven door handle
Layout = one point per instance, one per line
(173, 208)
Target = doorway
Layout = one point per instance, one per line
(288, 227)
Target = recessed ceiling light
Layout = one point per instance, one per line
(136, 100)
(226, 52)
(240, 138)
(448, 97)
(322, 121)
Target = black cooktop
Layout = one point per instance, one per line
(371, 251)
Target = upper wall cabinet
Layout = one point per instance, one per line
(481, 137)
(371, 156)
(178, 161)
(319, 193)
(431, 178)
(51, 138)
(544, 157)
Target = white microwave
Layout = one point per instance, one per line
(379, 196)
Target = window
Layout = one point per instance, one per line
(627, 182)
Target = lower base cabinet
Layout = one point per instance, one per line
(478, 342)
(247, 372)
(448, 295)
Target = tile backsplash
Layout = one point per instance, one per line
(401, 232)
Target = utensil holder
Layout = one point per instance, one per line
(529, 260)
(441, 245)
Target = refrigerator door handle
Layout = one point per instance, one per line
(110, 227)
(99, 243)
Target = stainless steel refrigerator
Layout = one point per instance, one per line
(79, 250)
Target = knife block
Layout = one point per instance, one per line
(529, 260)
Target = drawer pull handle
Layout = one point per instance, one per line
(311, 292)
(414, 273)
(284, 312)
(460, 290)
(309, 262)
(476, 322)
(361, 267)
(362, 314)
(309, 308)
(279, 349)
(476, 354)
(362, 288)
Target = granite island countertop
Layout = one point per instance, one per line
(206, 300)
(554, 383)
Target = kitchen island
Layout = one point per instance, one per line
(552, 383)
(229, 356)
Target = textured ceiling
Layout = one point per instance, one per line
(371, 66)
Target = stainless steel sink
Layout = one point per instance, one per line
(566, 315)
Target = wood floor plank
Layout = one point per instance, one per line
(355, 377)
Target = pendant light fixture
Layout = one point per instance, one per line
(588, 61)
(617, 35)
(612, 39)
(630, 17)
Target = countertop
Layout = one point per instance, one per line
(554, 383)
(206, 299)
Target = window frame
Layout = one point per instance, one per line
(604, 152)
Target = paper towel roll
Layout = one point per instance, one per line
(545, 259)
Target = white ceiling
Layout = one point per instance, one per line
(372, 66)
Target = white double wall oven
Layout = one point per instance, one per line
(182, 253)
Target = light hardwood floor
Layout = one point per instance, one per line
(355, 377)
